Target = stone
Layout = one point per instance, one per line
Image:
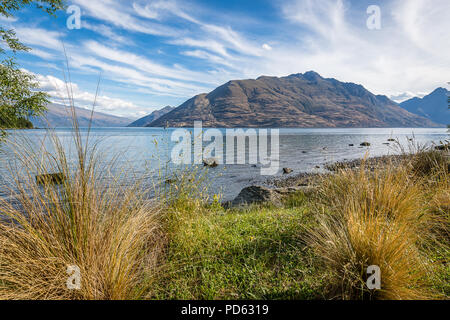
(443, 147)
(261, 194)
(211, 162)
(256, 194)
(287, 170)
(365, 144)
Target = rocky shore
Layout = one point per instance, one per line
(275, 189)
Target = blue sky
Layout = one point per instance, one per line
(153, 53)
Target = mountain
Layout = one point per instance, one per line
(59, 115)
(298, 100)
(155, 115)
(433, 106)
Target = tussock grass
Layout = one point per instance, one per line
(382, 218)
(186, 245)
(110, 232)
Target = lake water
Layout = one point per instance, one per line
(148, 149)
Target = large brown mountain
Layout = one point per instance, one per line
(299, 100)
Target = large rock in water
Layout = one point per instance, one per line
(260, 194)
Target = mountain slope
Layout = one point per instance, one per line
(155, 115)
(60, 116)
(298, 100)
(433, 106)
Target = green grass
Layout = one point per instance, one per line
(317, 244)
(252, 253)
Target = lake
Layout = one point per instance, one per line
(146, 150)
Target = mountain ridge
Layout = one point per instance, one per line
(298, 100)
(433, 106)
(58, 115)
(155, 115)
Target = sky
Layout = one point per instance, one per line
(147, 54)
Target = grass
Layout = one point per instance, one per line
(319, 245)
(111, 233)
(185, 245)
(252, 253)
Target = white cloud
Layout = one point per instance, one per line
(60, 91)
(409, 53)
(403, 96)
(211, 45)
(7, 19)
(42, 54)
(121, 16)
(40, 37)
(159, 9)
(107, 32)
(407, 57)
(207, 56)
(267, 47)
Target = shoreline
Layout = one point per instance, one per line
(307, 178)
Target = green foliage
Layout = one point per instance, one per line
(19, 98)
(7, 7)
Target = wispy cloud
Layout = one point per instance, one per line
(171, 50)
(40, 37)
(58, 89)
(121, 15)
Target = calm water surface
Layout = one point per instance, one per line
(146, 150)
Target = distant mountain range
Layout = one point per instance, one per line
(296, 101)
(433, 106)
(59, 115)
(147, 120)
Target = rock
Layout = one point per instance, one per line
(287, 170)
(351, 145)
(256, 194)
(365, 144)
(304, 152)
(212, 163)
(53, 178)
(443, 147)
(317, 167)
(260, 194)
(387, 143)
(391, 140)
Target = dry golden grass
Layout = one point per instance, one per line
(110, 232)
(379, 218)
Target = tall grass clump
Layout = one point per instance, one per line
(373, 218)
(87, 219)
